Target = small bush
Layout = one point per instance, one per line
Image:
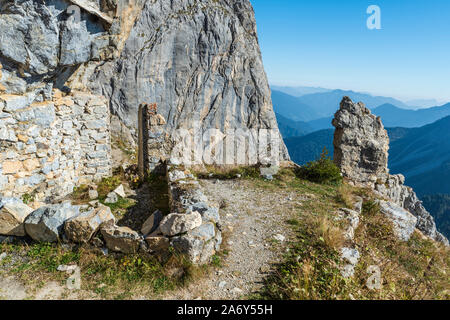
(322, 171)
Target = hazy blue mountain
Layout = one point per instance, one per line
(299, 91)
(290, 128)
(290, 107)
(321, 123)
(327, 103)
(393, 116)
(422, 151)
(422, 103)
(309, 147)
(439, 207)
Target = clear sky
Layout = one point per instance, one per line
(327, 43)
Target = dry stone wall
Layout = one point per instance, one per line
(48, 147)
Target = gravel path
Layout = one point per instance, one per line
(252, 220)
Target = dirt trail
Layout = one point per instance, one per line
(251, 219)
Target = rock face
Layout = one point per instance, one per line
(361, 144)
(46, 224)
(12, 215)
(404, 222)
(361, 152)
(199, 61)
(43, 39)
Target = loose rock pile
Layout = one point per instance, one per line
(195, 227)
(192, 229)
(350, 254)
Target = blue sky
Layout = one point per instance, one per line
(327, 43)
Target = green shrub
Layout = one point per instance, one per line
(322, 171)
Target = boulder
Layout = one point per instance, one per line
(46, 224)
(176, 223)
(196, 249)
(120, 191)
(93, 194)
(152, 223)
(404, 222)
(157, 244)
(81, 228)
(111, 198)
(12, 215)
(350, 255)
(121, 239)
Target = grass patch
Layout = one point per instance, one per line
(111, 277)
(413, 270)
(309, 270)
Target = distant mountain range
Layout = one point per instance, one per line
(423, 156)
(311, 107)
(439, 206)
(292, 108)
(299, 91)
(290, 128)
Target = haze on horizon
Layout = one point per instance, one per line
(326, 43)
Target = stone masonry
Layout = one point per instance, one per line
(48, 147)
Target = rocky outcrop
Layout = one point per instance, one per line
(404, 222)
(361, 151)
(361, 144)
(176, 223)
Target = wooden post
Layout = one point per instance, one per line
(143, 140)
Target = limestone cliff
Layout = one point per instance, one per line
(198, 59)
(361, 151)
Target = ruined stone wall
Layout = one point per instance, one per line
(48, 147)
